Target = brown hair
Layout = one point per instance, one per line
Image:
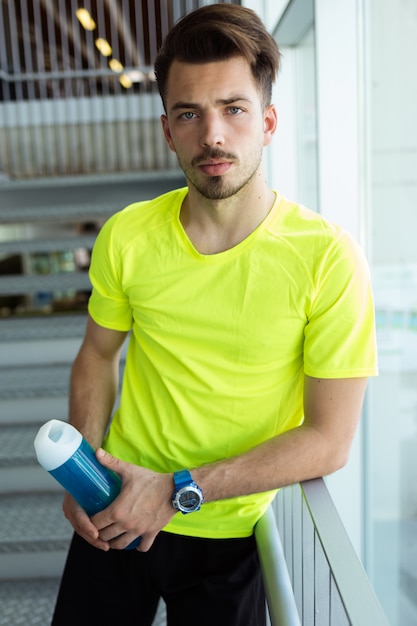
(217, 32)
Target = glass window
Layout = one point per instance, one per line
(391, 443)
(306, 122)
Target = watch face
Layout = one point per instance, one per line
(189, 499)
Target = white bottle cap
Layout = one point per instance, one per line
(55, 443)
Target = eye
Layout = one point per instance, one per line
(187, 115)
(235, 110)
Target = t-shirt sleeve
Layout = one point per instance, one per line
(340, 338)
(108, 304)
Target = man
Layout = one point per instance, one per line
(252, 337)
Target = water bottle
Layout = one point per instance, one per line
(70, 459)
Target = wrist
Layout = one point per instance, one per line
(187, 496)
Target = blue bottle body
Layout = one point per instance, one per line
(92, 485)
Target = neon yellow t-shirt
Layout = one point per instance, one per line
(220, 343)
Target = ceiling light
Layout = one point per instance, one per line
(85, 19)
(125, 81)
(103, 46)
(115, 65)
(136, 76)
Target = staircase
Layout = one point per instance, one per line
(38, 342)
(35, 360)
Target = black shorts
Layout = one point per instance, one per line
(204, 582)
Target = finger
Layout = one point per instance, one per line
(146, 542)
(98, 543)
(82, 524)
(79, 519)
(125, 541)
(108, 460)
(84, 527)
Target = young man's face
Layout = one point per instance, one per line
(216, 124)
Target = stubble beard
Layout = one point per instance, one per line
(217, 187)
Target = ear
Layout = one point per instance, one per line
(167, 132)
(270, 123)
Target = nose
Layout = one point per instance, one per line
(212, 130)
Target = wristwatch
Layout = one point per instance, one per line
(188, 496)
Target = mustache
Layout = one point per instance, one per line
(212, 153)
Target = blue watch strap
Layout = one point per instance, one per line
(188, 496)
(182, 478)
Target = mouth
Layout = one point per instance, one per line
(214, 162)
(215, 168)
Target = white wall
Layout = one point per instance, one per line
(269, 11)
(338, 84)
(281, 154)
(337, 73)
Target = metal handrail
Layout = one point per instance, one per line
(278, 589)
(354, 587)
(310, 568)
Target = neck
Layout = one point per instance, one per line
(214, 226)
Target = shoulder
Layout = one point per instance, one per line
(144, 215)
(312, 242)
(305, 232)
(297, 219)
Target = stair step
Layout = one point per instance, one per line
(34, 381)
(34, 535)
(18, 411)
(42, 328)
(30, 520)
(16, 445)
(17, 480)
(19, 467)
(37, 380)
(27, 602)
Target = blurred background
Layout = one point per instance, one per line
(80, 138)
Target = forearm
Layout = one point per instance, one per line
(299, 454)
(93, 390)
(317, 448)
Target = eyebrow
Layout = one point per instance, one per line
(221, 102)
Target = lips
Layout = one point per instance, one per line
(216, 168)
